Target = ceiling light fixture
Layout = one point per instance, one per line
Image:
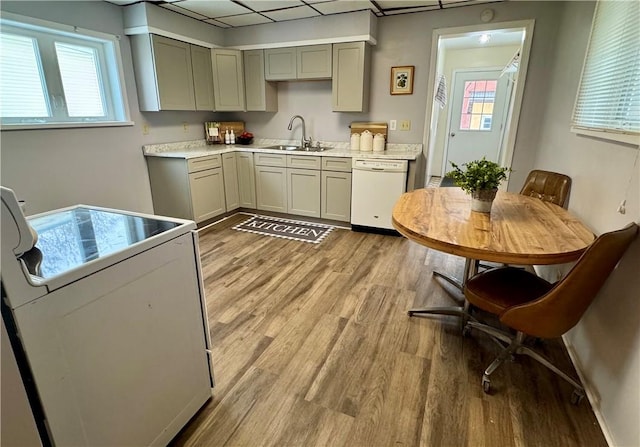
(484, 38)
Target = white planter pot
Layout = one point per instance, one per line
(482, 200)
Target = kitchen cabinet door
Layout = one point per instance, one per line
(230, 171)
(280, 64)
(246, 180)
(228, 80)
(314, 62)
(202, 78)
(335, 196)
(350, 84)
(271, 188)
(260, 95)
(207, 194)
(303, 190)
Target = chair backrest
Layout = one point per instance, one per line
(549, 186)
(561, 308)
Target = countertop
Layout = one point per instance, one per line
(199, 148)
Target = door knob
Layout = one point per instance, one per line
(453, 134)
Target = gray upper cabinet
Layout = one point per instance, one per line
(228, 80)
(314, 62)
(202, 77)
(260, 95)
(165, 73)
(350, 86)
(307, 62)
(280, 64)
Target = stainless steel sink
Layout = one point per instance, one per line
(296, 148)
(284, 148)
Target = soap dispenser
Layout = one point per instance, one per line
(227, 137)
(232, 137)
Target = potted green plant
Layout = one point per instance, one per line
(481, 179)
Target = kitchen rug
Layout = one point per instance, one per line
(285, 229)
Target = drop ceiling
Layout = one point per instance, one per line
(236, 13)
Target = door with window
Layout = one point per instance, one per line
(477, 116)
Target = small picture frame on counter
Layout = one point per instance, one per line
(402, 80)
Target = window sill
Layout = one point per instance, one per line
(633, 140)
(65, 125)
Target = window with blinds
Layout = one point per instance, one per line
(608, 101)
(53, 74)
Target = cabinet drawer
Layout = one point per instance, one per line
(202, 163)
(336, 164)
(303, 161)
(270, 160)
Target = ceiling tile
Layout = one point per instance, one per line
(245, 19)
(301, 12)
(214, 8)
(267, 5)
(344, 6)
(399, 4)
(180, 10)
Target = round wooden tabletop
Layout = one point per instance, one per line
(519, 230)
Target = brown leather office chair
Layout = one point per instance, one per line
(536, 308)
(548, 186)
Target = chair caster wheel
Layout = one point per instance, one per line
(576, 397)
(486, 385)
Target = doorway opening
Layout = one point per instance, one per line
(476, 83)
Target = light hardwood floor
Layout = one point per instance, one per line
(313, 347)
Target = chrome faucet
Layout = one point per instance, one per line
(304, 142)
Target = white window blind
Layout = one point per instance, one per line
(80, 79)
(608, 98)
(55, 75)
(22, 92)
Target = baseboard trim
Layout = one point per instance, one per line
(592, 395)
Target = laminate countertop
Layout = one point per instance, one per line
(199, 148)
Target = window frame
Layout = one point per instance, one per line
(605, 133)
(110, 71)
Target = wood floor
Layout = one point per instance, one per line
(313, 347)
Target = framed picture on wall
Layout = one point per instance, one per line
(402, 80)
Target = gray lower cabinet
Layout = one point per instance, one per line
(335, 189)
(335, 196)
(187, 188)
(271, 188)
(303, 192)
(231, 187)
(246, 180)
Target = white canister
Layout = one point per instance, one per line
(366, 141)
(378, 143)
(355, 142)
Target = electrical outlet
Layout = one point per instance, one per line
(145, 129)
(405, 125)
(392, 124)
(185, 127)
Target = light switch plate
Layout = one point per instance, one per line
(405, 125)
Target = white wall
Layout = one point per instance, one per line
(97, 166)
(606, 343)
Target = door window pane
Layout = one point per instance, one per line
(22, 90)
(477, 105)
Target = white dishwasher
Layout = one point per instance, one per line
(377, 184)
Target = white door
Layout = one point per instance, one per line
(477, 117)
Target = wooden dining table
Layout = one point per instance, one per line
(519, 230)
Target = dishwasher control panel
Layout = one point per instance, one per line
(380, 165)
